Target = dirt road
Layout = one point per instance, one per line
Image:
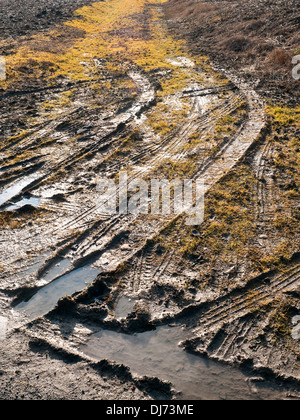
(109, 89)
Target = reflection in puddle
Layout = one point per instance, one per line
(157, 353)
(32, 201)
(34, 265)
(47, 297)
(16, 189)
(58, 270)
(124, 307)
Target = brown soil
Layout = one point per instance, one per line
(256, 38)
(69, 119)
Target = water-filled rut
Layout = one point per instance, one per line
(157, 353)
(129, 97)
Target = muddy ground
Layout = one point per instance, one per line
(17, 19)
(255, 38)
(128, 86)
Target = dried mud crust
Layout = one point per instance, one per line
(234, 281)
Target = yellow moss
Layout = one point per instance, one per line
(101, 23)
(13, 221)
(96, 21)
(280, 318)
(170, 169)
(228, 124)
(63, 100)
(285, 116)
(280, 256)
(165, 118)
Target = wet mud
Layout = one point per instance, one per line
(108, 298)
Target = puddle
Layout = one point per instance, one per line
(3, 327)
(57, 270)
(34, 265)
(47, 297)
(32, 201)
(124, 307)
(15, 189)
(33, 268)
(157, 353)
